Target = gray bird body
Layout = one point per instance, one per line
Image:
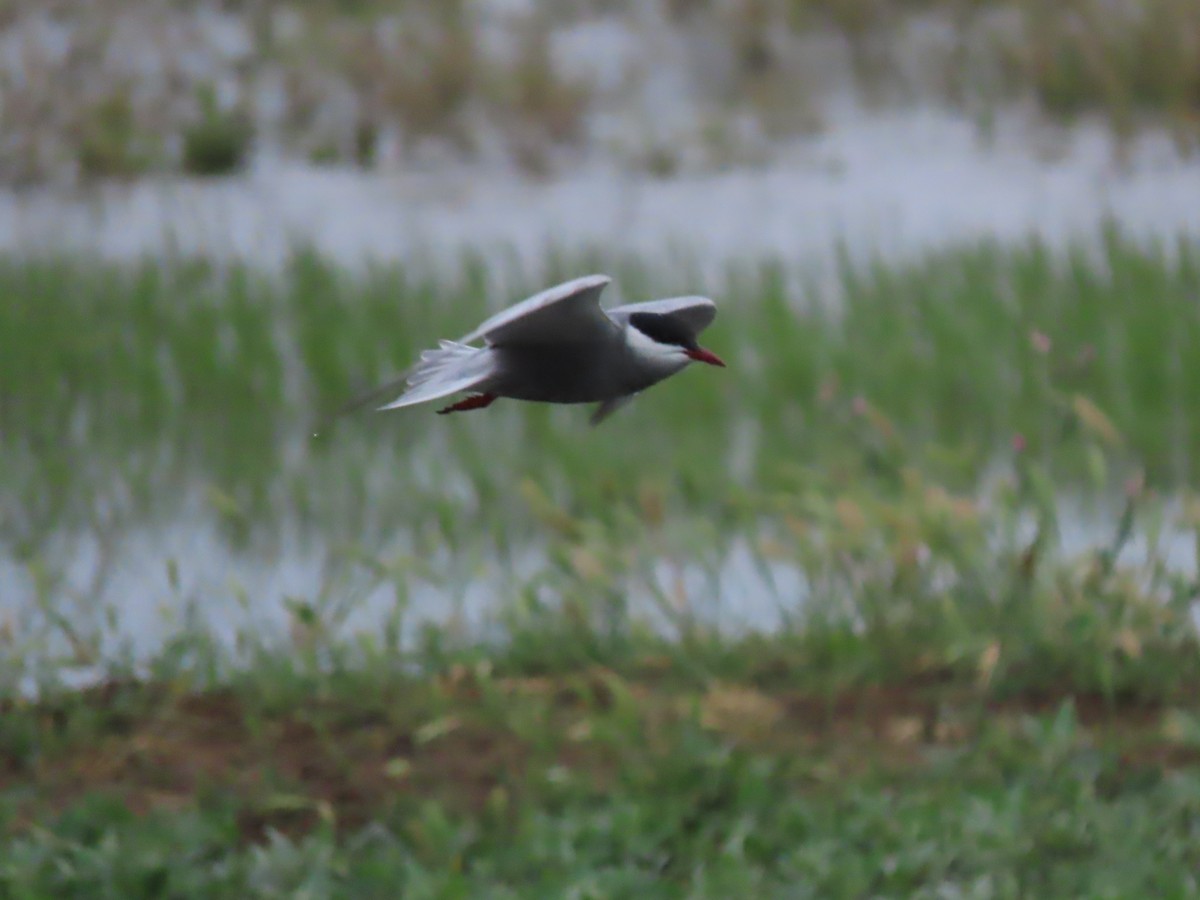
(560, 346)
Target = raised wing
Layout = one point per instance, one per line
(564, 313)
(693, 313)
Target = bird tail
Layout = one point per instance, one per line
(453, 367)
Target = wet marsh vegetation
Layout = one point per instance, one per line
(120, 90)
(598, 781)
(826, 623)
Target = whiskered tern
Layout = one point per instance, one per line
(561, 346)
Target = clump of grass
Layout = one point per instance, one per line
(438, 81)
(1124, 61)
(869, 27)
(660, 159)
(112, 143)
(1131, 63)
(538, 108)
(218, 142)
(366, 143)
(423, 76)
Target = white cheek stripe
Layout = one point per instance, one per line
(649, 348)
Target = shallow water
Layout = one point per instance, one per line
(890, 184)
(895, 184)
(129, 598)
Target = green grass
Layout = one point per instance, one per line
(950, 704)
(942, 713)
(130, 383)
(136, 398)
(477, 780)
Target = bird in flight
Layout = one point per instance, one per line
(561, 346)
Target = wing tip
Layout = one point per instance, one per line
(596, 278)
(696, 301)
(575, 285)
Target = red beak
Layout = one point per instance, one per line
(706, 356)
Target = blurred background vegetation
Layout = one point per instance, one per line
(119, 89)
(903, 603)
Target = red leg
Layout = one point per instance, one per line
(475, 401)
